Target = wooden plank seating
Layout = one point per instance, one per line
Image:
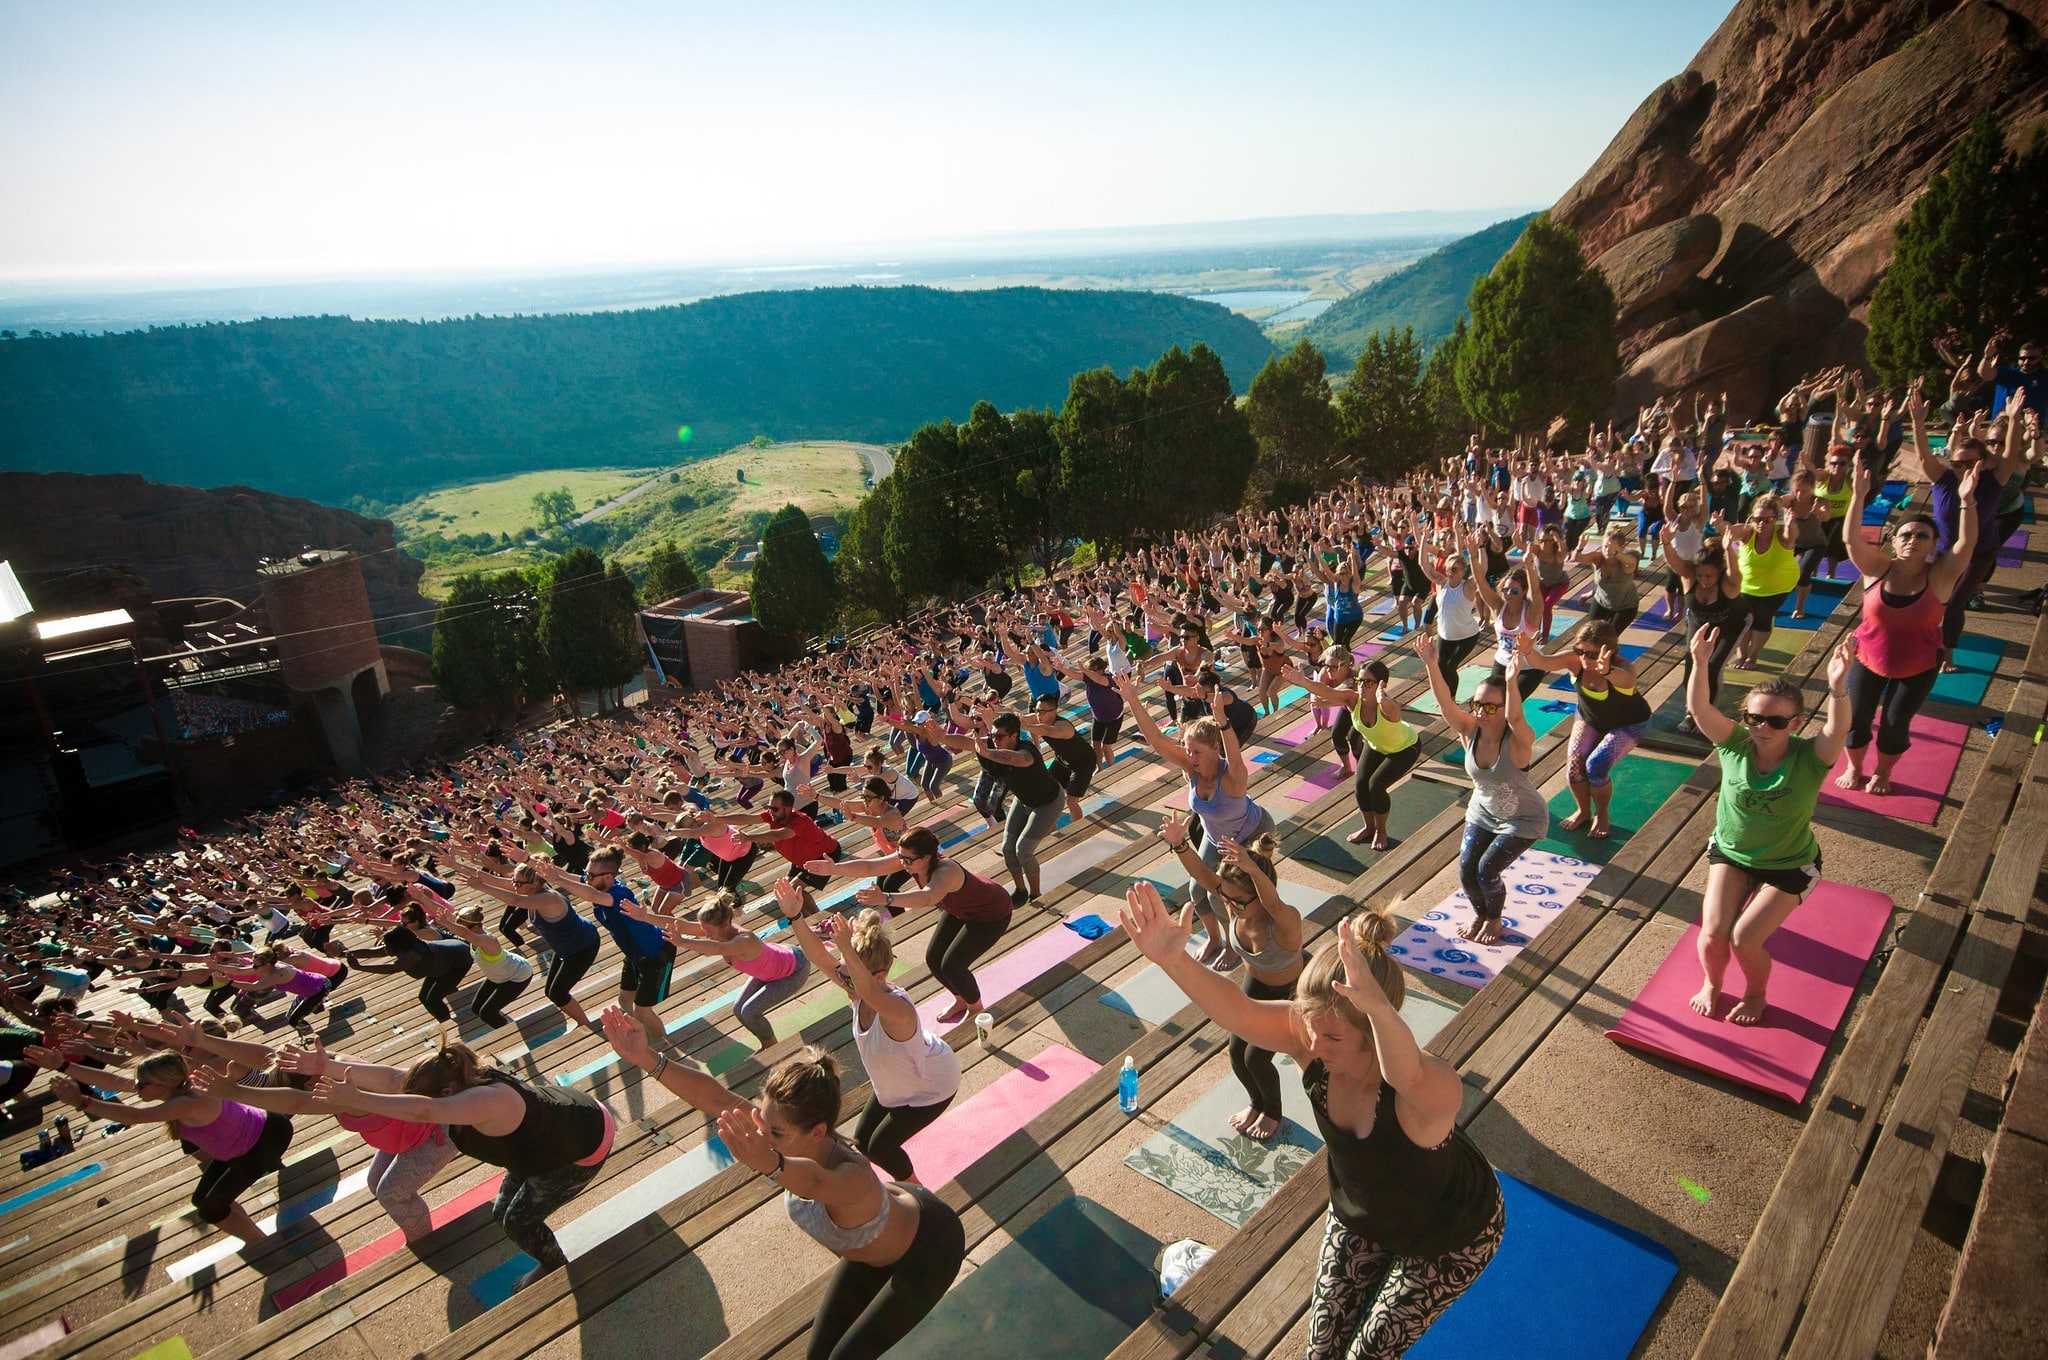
(1760, 1309)
(1996, 1307)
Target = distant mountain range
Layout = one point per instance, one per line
(334, 409)
(1428, 295)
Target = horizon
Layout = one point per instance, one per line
(244, 144)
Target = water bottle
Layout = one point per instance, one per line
(1127, 1087)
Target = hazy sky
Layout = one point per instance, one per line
(270, 139)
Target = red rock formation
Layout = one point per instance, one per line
(1796, 140)
(182, 540)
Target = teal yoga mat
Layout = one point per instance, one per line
(1206, 1162)
(1072, 1286)
(1978, 657)
(1641, 784)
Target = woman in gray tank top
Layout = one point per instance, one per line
(1507, 813)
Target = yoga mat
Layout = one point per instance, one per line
(47, 1188)
(1069, 864)
(1149, 994)
(2013, 552)
(1566, 1284)
(1206, 1162)
(1304, 730)
(1641, 784)
(1005, 973)
(1664, 734)
(1365, 651)
(942, 1150)
(1310, 787)
(171, 1348)
(1772, 658)
(1540, 885)
(185, 1267)
(1415, 803)
(1072, 1286)
(1978, 658)
(1816, 957)
(1820, 603)
(1468, 681)
(56, 1329)
(361, 1258)
(1919, 781)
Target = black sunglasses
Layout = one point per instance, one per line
(1777, 722)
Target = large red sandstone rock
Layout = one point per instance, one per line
(1804, 129)
(186, 541)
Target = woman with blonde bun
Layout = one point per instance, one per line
(1415, 1209)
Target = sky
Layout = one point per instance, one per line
(241, 142)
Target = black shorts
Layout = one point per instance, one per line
(1798, 881)
(1107, 730)
(647, 979)
(1763, 609)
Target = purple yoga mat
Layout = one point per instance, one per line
(1313, 786)
(2013, 552)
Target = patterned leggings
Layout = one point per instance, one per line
(1373, 1305)
(1593, 754)
(524, 1203)
(396, 1179)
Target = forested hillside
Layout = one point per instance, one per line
(333, 408)
(1427, 295)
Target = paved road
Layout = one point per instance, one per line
(600, 511)
(880, 461)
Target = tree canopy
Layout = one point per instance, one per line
(1383, 410)
(669, 574)
(793, 590)
(1296, 426)
(1541, 341)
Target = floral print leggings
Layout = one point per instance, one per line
(1371, 1304)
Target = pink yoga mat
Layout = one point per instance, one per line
(1816, 957)
(1365, 651)
(962, 1134)
(1313, 786)
(363, 1257)
(1295, 735)
(1540, 885)
(1007, 972)
(1919, 780)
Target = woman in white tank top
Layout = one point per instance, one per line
(913, 1074)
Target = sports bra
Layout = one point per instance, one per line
(1271, 959)
(816, 1221)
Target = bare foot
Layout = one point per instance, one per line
(1360, 836)
(1950, 668)
(1707, 1000)
(1849, 780)
(1380, 842)
(1261, 1128)
(1344, 770)
(1243, 1120)
(1210, 951)
(1229, 963)
(1599, 831)
(1483, 930)
(1748, 1011)
(1878, 785)
(1576, 822)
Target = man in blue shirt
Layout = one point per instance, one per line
(648, 955)
(2028, 374)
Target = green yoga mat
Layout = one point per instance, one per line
(1072, 1286)
(1206, 1162)
(1416, 801)
(1773, 657)
(1641, 784)
(1664, 734)
(1978, 657)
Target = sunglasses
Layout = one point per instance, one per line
(1481, 706)
(1777, 722)
(1915, 533)
(1588, 652)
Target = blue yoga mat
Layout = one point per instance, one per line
(1977, 657)
(1566, 1284)
(51, 1187)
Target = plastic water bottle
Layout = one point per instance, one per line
(1127, 1087)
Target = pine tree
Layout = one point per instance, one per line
(1382, 409)
(476, 668)
(1967, 262)
(669, 574)
(1541, 343)
(1289, 408)
(867, 590)
(794, 594)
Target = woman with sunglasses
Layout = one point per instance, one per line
(1457, 609)
(1335, 672)
(1507, 813)
(977, 910)
(1762, 858)
(1762, 548)
(1266, 933)
(1390, 744)
(1906, 591)
(417, 951)
(1552, 552)
(1514, 609)
(1612, 717)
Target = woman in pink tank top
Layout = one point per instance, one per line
(774, 972)
(1898, 652)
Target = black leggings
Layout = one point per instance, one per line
(1377, 773)
(1899, 700)
(1345, 738)
(1724, 648)
(884, 1129)
(868, 1309)
(1763, 611)
(435, 991)
(509, 922)
(1343, 631)
(955, 945)
(524, 1203)
(488, 1005)
(1451, 654)
(222, 1183)
(566, 971)
(1254, 1066)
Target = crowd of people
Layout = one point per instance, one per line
(737, 807)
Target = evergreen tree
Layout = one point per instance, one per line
(579, 623)
(1541, 343)
(1382, 410)
(1001, 461)
(1103, 476)
(1968, 262)
(867, 589)
(1199, 444)
(1289, 408)
(794, 594)
(669, 574)
(936, 543)
(1449, 425)
(475, 666)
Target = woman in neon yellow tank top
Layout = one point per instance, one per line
(1770, 569)
(1390, 744)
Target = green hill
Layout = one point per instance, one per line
(332, 408)
(1427, 295)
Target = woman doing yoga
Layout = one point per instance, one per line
(1415, 1209)
(1612, 717)
(774, 972)
(1390, 745)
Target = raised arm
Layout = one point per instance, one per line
(1168, 751)
(1834, 732)
(1716, 726)
(1163, 938)
(1455, 718)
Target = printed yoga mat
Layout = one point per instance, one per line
(963, 1133)
(1072, 1286)
(1816, 957)
(1566, 1284)
(1206, 1162)
(1641, 784)
(1540, 885)
(1919, 781)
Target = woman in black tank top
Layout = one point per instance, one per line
(1415, 1209)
